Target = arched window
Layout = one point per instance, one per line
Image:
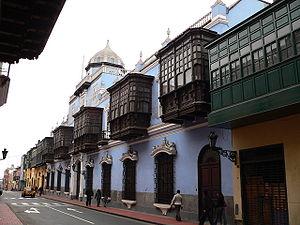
(164, 178)
(106, 179)
(58, 182)
(89, 178)
(52, 180)
(129, 179)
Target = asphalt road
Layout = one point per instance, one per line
(39, 211)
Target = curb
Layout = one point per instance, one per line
(99, 210)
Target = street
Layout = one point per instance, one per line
(40, 211)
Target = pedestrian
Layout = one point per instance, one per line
(40, 190)
(177, 202)
(105, 199)
(220, 208)
(207, 209)
(89, 193)
(98, 196)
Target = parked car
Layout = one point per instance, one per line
(28, 192)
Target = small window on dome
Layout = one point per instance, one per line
(112, 60)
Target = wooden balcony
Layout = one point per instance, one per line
(130, 106)
(184, 77)
(63, 137)
(87, 129)
(186, 103)
(130, 126)
(266, 83)
(45, 147)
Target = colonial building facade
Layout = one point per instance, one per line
(255, 91)
(140, 135)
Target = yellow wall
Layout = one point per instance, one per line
(284, 131)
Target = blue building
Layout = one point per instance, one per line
(140, 135)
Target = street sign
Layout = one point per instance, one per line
(32, 210)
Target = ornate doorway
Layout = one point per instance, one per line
(209, 174)
(67, 180)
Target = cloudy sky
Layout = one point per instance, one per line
(40, 89)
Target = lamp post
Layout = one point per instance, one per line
(231, 155)
(4, 154)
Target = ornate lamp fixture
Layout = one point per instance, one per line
(4, 153)
(231, 155)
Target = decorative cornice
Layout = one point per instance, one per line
(166, 147)
(106, 159)
(130, 154)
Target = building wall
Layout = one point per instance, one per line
(284, 131)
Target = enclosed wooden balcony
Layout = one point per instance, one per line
(47, 150)
(184, 76)
(130, 107)
(87, 129)
(255, 68)
(62, 137)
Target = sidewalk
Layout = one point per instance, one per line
(151, 218)
(7, 217)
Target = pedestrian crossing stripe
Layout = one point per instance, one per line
(42, 204)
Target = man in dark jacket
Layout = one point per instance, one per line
(89, 193)
(207, 209)
(98, 196)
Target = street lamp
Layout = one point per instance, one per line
(231, 155)
(4, 153)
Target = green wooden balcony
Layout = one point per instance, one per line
(255, 68)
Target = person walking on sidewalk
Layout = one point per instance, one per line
(177, 202)
(98, 196)
(207, 209)
(89, 193)
(220, 208)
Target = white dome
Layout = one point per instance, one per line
(107, 55)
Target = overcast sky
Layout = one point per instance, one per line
(40, 89)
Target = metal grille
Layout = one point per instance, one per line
(106, 179)
(264, 187)
(52, 181)
(129, 177)
(47, 180)
(58, 181)
(67, 181)
(164, 179)
(89, 178)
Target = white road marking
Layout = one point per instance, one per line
(25, 203)
(12, 198)
(14, 203)
(32, 210)
(68, 214)
(70, 209)
(21, 198)
(35, 203)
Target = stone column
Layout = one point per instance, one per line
(83, 158)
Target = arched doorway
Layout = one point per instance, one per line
(209, 174)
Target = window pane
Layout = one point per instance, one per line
(180, 81)
(285, 47)
(171, 84)
(188, 76)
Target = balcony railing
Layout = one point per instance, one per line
(104, 138)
